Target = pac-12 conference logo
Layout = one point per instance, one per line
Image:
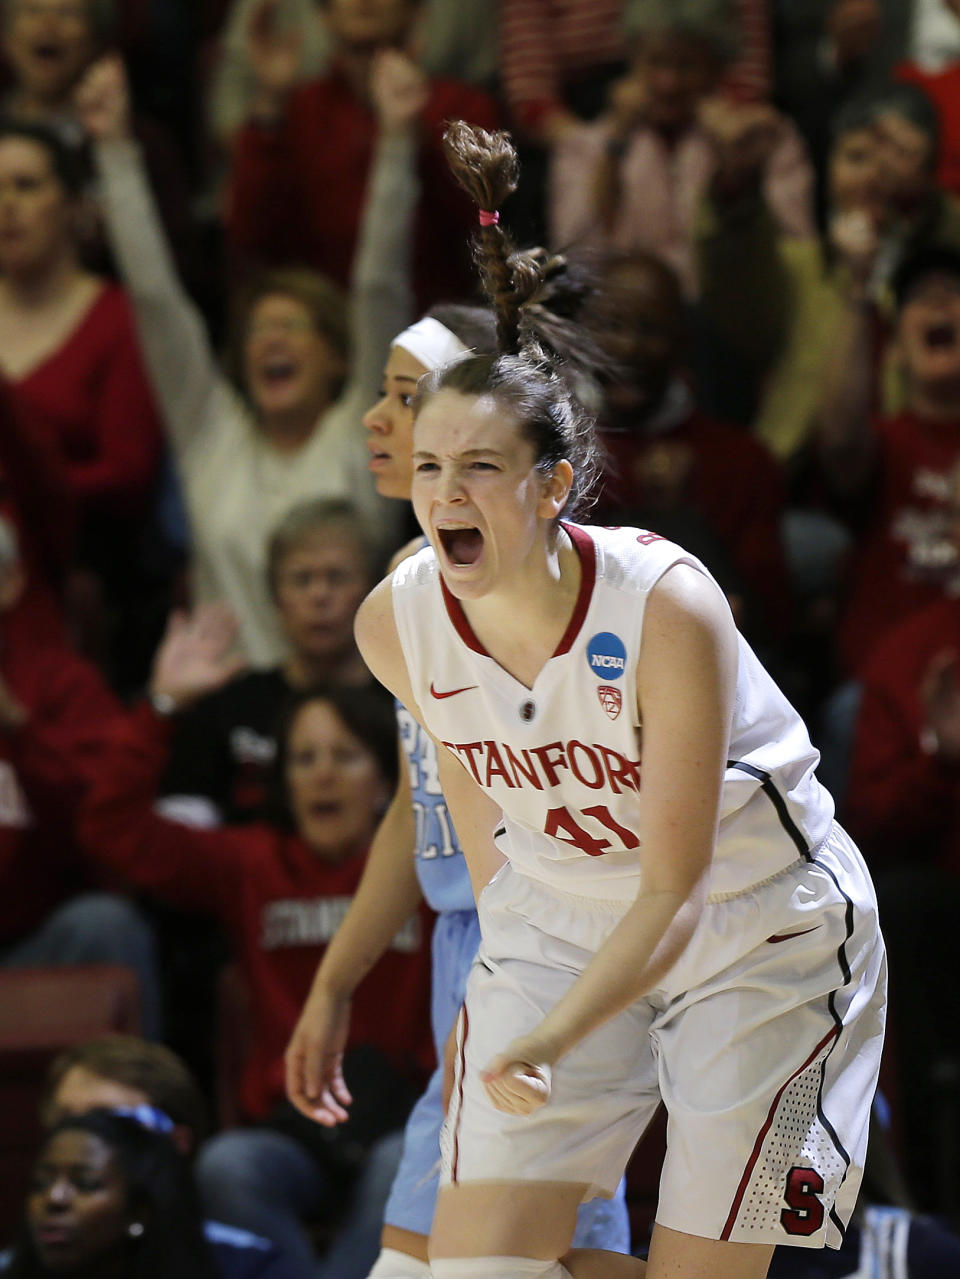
(607, 656)
(608, 660)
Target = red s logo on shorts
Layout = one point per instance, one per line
(805, 1214)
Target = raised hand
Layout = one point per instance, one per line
(854, 27)
(275, 55)
(194, 657)
(856, 240)
(102, 100)
(313, 1061)
(398, 88)
(743, 134)
(627, 104)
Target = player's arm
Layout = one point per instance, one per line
(686, 679)
(387, 895)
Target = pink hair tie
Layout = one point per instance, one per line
(488, 218)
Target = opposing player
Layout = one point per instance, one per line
(707, 934)
(415, 852)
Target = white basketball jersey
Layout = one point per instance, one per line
(563, 758)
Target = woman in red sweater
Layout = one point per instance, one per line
(69, 350)
(280, 889)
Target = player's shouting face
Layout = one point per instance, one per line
(479, 495)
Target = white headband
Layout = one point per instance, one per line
(431, 343)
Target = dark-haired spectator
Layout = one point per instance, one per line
(47, 47)
(829, 51)
(320, 565)
(667, 461)
(53, 707)
(634, 178)
(123, 1072)
(70, 355)
(306, 153)
(245, 457)
(281, 889)
(111, 1196)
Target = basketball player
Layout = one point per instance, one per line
(710, 939)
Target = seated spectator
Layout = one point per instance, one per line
(320, 567)
(246, 459)
(111, 1196)
(70, 354)
(124, 1070)
(52, 709)
(113, 1072)
(781, 305)
(305, 155)
(633, 179)
(281, 889)
(892, 475)
(667, 461)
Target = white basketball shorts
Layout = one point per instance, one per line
(764, 1044)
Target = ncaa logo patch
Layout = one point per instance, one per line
(606, 655)
(610, 699)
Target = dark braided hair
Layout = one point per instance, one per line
(543, 354)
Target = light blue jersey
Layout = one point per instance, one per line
(441, 867)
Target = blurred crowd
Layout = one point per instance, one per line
(215, 216)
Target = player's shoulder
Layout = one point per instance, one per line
(628, 559)
(414, 566)
(412, 547)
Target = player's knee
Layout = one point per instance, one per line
(502, 1267)
(398, 1265)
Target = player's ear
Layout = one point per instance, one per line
(556, 485)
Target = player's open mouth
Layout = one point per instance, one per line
(462, 545)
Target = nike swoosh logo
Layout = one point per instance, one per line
(453, 691)
(789, 936)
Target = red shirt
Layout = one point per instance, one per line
(944, 88)
(280, 903)
(898, 565)
(298, 189)
(903, 802)
(724, 475)
(91, 396)
(44, 769)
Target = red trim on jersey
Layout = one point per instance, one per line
(456, 1122)
(583, 545)
(459, 618)
(755, 1154)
